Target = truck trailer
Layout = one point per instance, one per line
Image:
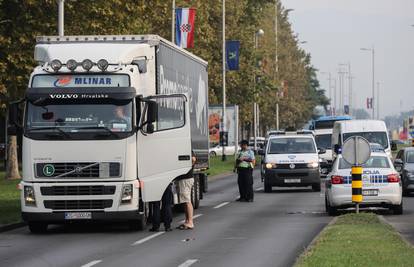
(108, 123)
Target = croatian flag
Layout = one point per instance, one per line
(184, 29)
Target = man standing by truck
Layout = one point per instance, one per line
(245, 163)
(186, 184)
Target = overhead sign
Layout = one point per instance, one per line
(62, 81)
(356, 150)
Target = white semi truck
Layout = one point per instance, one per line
(109, 122)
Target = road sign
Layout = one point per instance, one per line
(356, 150)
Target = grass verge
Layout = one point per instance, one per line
(217, 166)
(9, 201)
(358, 240)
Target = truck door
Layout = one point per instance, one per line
(164, 143)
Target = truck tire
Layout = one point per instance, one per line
(204, 182)
(267, 187)
(397, 209)
(316, 187)
(195, 195)
(37, 227)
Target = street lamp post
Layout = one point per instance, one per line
(61, 17)
(372, 50)
(257, 34)
(330, 90)
(223, 157)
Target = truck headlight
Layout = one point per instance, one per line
(313, 164)
(127, 191)
(29, 196)
(271, 165)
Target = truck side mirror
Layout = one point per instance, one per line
(14, 116)
(337, 148)
(152, 112)
(394, 146)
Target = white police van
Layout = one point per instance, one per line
(291, 160)
(381, 184)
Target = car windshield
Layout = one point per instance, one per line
(80, 117)
(292, 145)
(380, 162)
(372, 137)
(324, 141)
(410, 157)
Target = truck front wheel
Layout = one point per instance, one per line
(37, 227)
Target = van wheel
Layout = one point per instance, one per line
(267, 187)
(195, 195)
(37, 227)
(397, 209)
(316, 187)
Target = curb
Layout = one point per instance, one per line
(12, 226)
(383, 220)
(312, 243)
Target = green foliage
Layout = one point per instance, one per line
(9, 200)
(22, 20)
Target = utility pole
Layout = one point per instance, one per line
(341, 91)
(335, 98)
(276, 73)
(260, 32)
(61, 17)
(372, 50)
(223, 121)
(173, 22)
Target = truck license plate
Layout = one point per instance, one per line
(370, 192)
(78, 215)
(291, 181)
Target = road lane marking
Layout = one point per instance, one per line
(259, 189)
(221, 205)
(188, 263)
(194, 217)
(139, 242)
(92, 263)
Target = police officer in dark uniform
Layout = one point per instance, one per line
(245, 162)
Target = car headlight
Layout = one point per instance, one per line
(29, 196)
(127, 193)
(271, 165)
(313, 164)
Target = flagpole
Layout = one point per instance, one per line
(173, 22)
(224, 78)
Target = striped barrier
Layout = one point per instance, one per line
(356, 184)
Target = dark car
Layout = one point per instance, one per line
(404, 164)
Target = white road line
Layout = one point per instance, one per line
(188, 263)
(194, 217)
(221, 205)
(259, 189)
(139, 242)
(92, 263)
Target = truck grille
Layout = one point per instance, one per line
(95, 204)
(77, 190)
(78, 170)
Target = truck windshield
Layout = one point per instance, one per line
(291, 146)
(372, 137)
(324, 141)
(85, 117)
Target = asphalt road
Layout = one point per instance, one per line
(404, 223)
(272, 231)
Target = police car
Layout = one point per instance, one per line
(291, 160)
(381, 184)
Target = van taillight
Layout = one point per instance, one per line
(336, 179)
(393, 178)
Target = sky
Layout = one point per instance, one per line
(336, 30)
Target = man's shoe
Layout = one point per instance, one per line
(153, 229)
(240, 199)
(250, 200)
(168, 229)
